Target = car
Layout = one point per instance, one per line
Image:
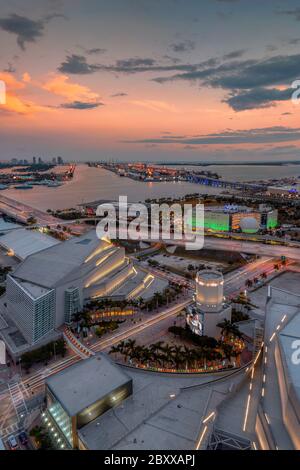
(12, 442)
(23, 438)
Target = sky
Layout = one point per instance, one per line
(150, 80)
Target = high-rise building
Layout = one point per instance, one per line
(60, 161)
(49, 286)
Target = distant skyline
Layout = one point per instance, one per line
(156, 80)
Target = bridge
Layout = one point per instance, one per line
(21, 212)
(219, 183)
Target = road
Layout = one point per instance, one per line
(21, 211)
(35, 383)
(234, 282)
(255, 248)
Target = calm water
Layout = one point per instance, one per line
(251, 172)
(90, 184)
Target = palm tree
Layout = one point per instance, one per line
(157, 298)
(187, 356)
(227, 351)
(146, 355)
(177, 355)
(225, 326)
(77, 318)
(115, 349)
(122, 347)
(168, 350)
(137, 353)
(131, 345)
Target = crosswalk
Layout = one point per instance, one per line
(17, 391)
(11, 429)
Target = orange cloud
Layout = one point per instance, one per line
(26, 77)
(61, 86)
(12, 84)
(14, 102)
(155, 105)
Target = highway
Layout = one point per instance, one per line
(256, 248)
(21, 212)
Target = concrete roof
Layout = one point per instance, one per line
(27, 242)
(86, 382)
(164, 412)
(48, 267)
(34, 290)
(5, 226)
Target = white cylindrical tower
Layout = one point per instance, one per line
(209, 290)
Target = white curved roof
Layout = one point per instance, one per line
(26, 242)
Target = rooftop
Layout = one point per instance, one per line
(209, 274)
(86, 382)
(49, 266)
(23, 242)
(34, 290)
(164, 412)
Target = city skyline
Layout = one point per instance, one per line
(144, 80)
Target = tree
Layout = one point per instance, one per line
(176, 355)
(227, 351)
(225, 326)
(31, 220)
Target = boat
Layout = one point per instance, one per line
(54, 184)
(24, 186)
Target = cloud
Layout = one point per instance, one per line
(294, 41)
(295, 13)
(267, 135)
(10, 68)
(77, 64)
(95, 50)
(276, 70)
(62, 86)
(81, 105)
(26, 29)
(183, 46)
(26, 77)
(258, 98)
(120, 94)
(134, 62)
(234, 54)
(15, 104)
(245, 74)
(249, 82)
(154, 105)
